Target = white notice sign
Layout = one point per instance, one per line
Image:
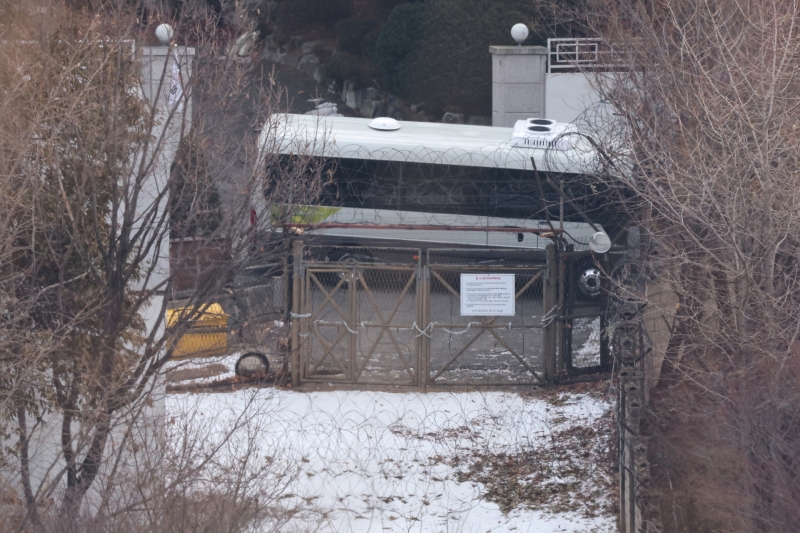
(487, 295)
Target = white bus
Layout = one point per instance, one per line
(445, 185)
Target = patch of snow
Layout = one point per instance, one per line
(383, 462)
(589, 352)
(325, 109)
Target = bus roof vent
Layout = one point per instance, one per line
(544, 133)
(384, 124)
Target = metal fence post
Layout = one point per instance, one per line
(352, 321)
(427, 326)
(423, 341)
(297, 309)
(605, 286)
(550, 303)
(561, 335)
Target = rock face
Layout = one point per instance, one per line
(382, 110)
(396, 113)
(373, 94)
(368, 102)
(275, 55)
(308, 47)
(289, 60)
(371, 103)
(453, 118)
(351, 96)
(479, 121)
(368, 108)
(309, 57)
(308, 64)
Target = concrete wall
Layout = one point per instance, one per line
(569, 96)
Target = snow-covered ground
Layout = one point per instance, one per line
(428, 462)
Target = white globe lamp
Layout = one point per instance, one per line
(600, 243)
(164, 33)
(519, 32)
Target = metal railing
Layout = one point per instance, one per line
(573, 54)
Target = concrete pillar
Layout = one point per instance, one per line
(156, 76)
(518, 83)
(173, 122)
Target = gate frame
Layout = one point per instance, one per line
(566, 264)
(300, 312)
(542, 268)
(556, 337)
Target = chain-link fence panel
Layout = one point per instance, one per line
(258, 303)
(248, 316)
(386, 348)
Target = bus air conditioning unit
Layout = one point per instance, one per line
(544, 133)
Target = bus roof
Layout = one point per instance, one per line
(418, 142)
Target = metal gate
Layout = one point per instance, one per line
(391, 316)
(358, 313)
(485, 350)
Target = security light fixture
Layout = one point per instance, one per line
(519, 32)
(600, 243)
(164, 33)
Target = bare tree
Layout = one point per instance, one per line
(93, 199)
(705, 145)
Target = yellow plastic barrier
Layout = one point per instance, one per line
(207, 336)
